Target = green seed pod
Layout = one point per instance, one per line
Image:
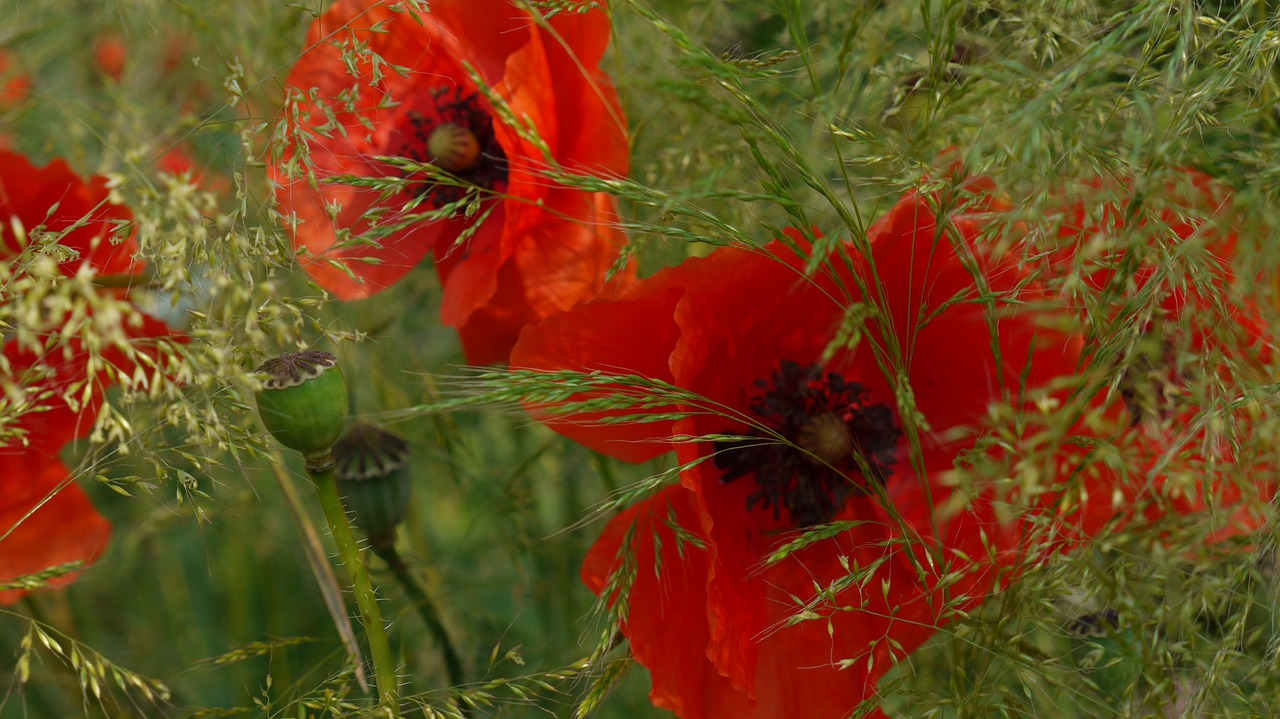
(303, 401)
(371, 466)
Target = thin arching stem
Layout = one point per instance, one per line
(426, 610)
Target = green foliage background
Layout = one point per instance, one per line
(747, 117)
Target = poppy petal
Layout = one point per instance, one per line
(64, 528)
(28, 195)
(633, 335)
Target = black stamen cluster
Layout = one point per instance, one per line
(787, 476)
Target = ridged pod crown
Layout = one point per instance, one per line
(372, 469)
(303, 401)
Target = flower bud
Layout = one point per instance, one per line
(303, 401)
(371, 466)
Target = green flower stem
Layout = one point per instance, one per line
(383, 665)
(321, 569)
(427, 611)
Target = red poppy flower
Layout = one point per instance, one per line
(54, 385)
(516, 248)
(1147, 261)
(811, 434)
(176, 162)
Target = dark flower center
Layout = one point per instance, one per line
(838, 444)
(454, 132)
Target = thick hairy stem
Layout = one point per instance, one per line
(323, 571)
(384, 668)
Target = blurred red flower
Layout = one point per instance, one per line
(179, 165)
(52, 387)
(865, 433)
(111, 55)
(1155, 261)
(15, 84)
(519, 247)
(45, 518)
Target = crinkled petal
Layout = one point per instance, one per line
(667, 626)
(561, 264)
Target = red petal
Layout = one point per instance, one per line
(929, 292)
(43, 378)
(592, 135)
(48, 423)
(469, 272)
(745, 311)
(561, 264)
(564, 262)
(667, 622)
(489, 32)
(27, 196)
(65, 528)
(795, 668)
(633, 335)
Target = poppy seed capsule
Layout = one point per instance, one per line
(453, 147)
(303, 401)
(371, 466)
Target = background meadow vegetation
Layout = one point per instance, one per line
(744, 116)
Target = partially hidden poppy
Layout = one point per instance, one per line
(487, 94)
(856, 440)
(1150, 274)
(177, 165)
(1154, 259)
(54, 385)
(15, 87)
